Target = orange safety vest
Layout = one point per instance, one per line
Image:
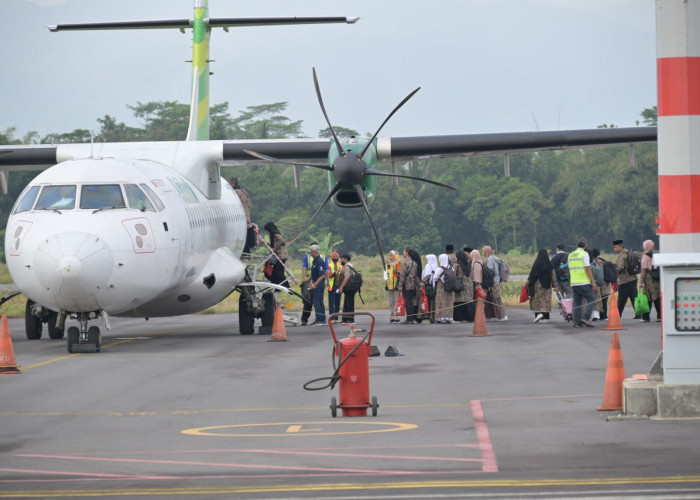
(335, 269)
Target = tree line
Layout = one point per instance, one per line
(600, 193)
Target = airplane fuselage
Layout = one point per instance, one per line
(126, 236)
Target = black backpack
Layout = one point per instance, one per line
(487, 277)
(354, 283)
(561, 266)
(450, 279)
(609, 272)
(634, 262)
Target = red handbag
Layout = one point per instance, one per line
(400, 305)
(424, 304)
(523, 294)
(267, 270)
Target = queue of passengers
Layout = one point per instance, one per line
(589, 279)
(446, 288)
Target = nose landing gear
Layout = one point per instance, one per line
(84, 338)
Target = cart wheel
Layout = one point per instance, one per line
(374, 406)
(334, 407)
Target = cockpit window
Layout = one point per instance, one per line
(56, 198)
(94, 196)
(154, 197)
(137, 198)
(26, 202)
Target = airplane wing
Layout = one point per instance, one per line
(392, 149)
(389, 149)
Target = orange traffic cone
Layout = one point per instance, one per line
(615, 374)
(614, 321)
(7, 353)
(480, 321)
(279, 333)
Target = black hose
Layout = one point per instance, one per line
(333, 379)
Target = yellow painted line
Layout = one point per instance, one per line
(211, 431)
(104, 346)
(288, 488)
(299, 428)
(150, 413)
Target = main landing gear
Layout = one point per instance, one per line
(84, 338)
(35, 315)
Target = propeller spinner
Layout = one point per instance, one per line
(348, 168)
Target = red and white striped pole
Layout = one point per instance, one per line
(678, 66)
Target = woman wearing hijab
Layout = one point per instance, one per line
(477, 272)
(539, 282)
(408, 283)
(464, 304)
(393, 268)
(428, 279)
(649, 280)
(279, 257)
(444, 300)
(600, 311)
(493, 307)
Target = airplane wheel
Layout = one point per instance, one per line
(268, 317)
(32, 324)
(54, 332)
(334, 407)
(245, 321)
(73, 338)
(94, 337)
(374, 406)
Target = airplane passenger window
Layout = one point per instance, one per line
(56, 198)
(94, 196)
(26, 202)
(156, 201)
(137, 198)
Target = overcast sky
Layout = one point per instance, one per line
(483, 65)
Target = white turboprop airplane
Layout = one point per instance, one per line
(150, 229)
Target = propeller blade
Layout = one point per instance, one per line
(332, 192)
(323, 108)
(286, 162)
(405, 100)
(372, 171)
(361, 195)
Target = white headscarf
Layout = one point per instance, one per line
(430, 267)
(444, 262)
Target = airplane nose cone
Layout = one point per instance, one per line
(74, 267)
(69, 266)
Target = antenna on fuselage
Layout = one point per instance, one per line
(201, 26)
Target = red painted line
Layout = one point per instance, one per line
(87, 474)
(678, 86)
(362, 455)
(484, 437)
(211, 464)
(679, 196)
(312, 448)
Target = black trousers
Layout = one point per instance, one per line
(657, 306)
(409, 295)
(306, 310)
(628, 291)
(348, 307)
(604, 314)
